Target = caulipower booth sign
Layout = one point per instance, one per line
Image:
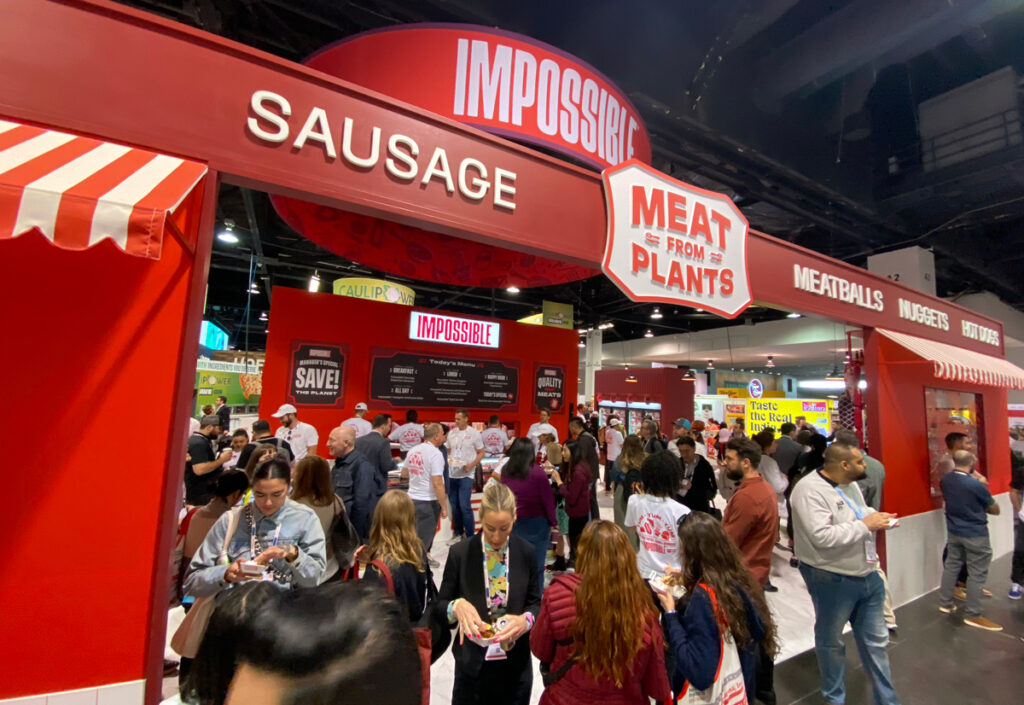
(407, 138)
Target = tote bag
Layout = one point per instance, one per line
(728, 688)
(186, 639)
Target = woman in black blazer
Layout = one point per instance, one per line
(490, 576)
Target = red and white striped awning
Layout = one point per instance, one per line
(961, 365)
(78, 191)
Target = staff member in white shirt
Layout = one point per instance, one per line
(361, 425)
(612, 448)
(408, 435)
(465, 451)
(654, 516)
(495, 438)
(424, 468)
(541, 427)
(301, 436)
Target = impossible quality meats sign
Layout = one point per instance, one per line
(549, 388)
(316, 375)
(669, 242)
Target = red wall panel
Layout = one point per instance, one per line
(89, 366)
(662, 385)
(366, 325)
(897, 431)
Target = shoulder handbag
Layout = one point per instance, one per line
(189, 635)
(179, 566)
(728, 688)
(549, 677)
(435, 620)
(423, 635)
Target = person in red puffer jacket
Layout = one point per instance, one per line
(597, 637)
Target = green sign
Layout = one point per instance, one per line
(229, 379)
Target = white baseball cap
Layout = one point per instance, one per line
(361, 406)
(285, 409)
(613, 422)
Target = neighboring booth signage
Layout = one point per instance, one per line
(557, 314)
(670, 242)
(501, 82)
(406, 379)
(254, 360)
(374, 290)
(775, 412)
(450, 329)
(241, 385)
(549, 388)
(755, 388)
(317, 374)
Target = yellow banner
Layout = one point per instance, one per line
(557, 315)
(375, 290)
(775, 412)
(536, 319)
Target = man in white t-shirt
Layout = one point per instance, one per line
(613, 441)
(301, 436)
(361, 425)
(465, 451)
(408, 435)
(540, 428)
(654, 516)
(424, 467)
(495, 438)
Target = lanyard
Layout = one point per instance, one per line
(859, 511)
(252, 538)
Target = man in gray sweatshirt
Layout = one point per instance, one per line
(835, 542)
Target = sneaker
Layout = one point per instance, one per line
(770, 588)
(985, 592)
(794, 562)
(1015, 592)
(982, 623)
(946, 609)
(454, 540)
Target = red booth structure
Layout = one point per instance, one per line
(97, 483)
(631, 392)
(367, 330)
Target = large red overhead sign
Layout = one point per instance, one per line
(670, 242)
(501, 82)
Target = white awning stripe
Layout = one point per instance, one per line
(77, 190)
(960, 365)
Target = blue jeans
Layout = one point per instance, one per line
(537, 532)
(462, 507)
(839, 599)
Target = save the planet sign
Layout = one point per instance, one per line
(316, 374)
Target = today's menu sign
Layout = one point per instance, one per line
(404, 379)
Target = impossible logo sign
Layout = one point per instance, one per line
(674, 243)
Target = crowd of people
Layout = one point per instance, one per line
(667, 601)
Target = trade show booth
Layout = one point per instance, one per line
(129, 83)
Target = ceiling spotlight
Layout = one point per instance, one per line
(632, 379)
(771, 361)
(582, 344)
(581, 331)
(711, 364)
(513, 289)
(690, 376)
(253, 289)
(846, 358)
(648, 334)
(794, 314)
(314, 282)
(656, 314)
(834, 375)
(227, 234)
(264, 316)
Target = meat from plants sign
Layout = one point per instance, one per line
(549, 388)
(317, 374)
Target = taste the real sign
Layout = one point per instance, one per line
(669, 242)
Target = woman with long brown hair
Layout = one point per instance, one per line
(394, 542)
(312, 486)
(598, 635)
(726, 608)
(627, 480)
